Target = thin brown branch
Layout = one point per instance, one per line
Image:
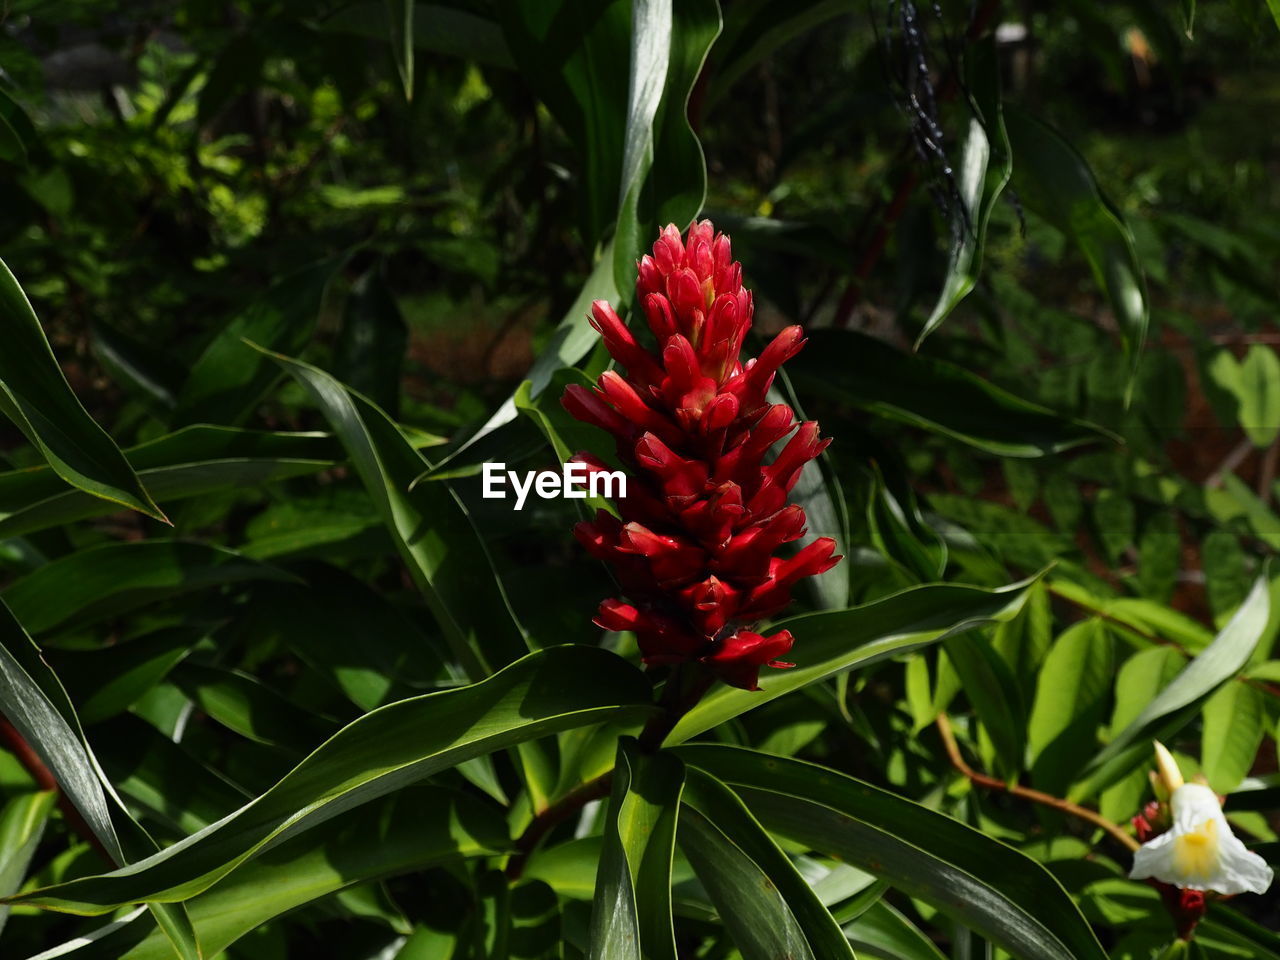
(1026, 793)
(553, 816)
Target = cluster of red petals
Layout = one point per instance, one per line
(706, 511)
(1186, 907)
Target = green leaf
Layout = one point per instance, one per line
(192, 462)
(381, 752)
(1138, 682)
(980, 183)
(35, 395)
(432, 531)
(1259, 395)
(228, 379)
(115, 577)
(437, 29)
(419, 828)
(1176, 704)
(921, 391)
(832, 642)
(631, 914)
(723, 812)
(753, 910)
(105, 681)
(22, 821)
(1053, 180)
(243, 703)
(759, 27)
(400, 19)
(651, 33)
(577, 76)
(1235, 721)
(1069, 702)
(884, 932)
(992, 689)
(34, 701)
(978, 881)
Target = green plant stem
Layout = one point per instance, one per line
(1026, 793)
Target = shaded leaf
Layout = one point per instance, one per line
(839, 640)
(924, 392)
(1055, 181)
(35, 395)
(381, 752)
(631, 914)
(978, 881)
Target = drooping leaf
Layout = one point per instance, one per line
(191, 462)
(400, 19)
(381, 752)
(719, 806)
(35, 395)
(978, 881)
(1053, 180)
(34, 701)
(228, 379)
(984, 169)
(833, 642)
(1176, 704)
(925, 392)
(441, 547)
(115, 577)
(419, 828)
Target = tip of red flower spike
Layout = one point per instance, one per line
(696, 551)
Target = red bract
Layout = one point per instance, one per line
(705, 516)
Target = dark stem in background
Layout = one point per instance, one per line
(684, 688)
(1026, 793)
(13, 742)
(893, 210)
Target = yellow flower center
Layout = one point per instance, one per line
(1195, 853)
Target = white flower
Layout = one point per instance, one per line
(1199, 852)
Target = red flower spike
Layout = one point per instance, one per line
(705, 516)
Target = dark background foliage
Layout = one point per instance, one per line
(416, 213)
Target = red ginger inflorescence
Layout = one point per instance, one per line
(705, 515)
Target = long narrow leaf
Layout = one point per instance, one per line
(383, 751)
